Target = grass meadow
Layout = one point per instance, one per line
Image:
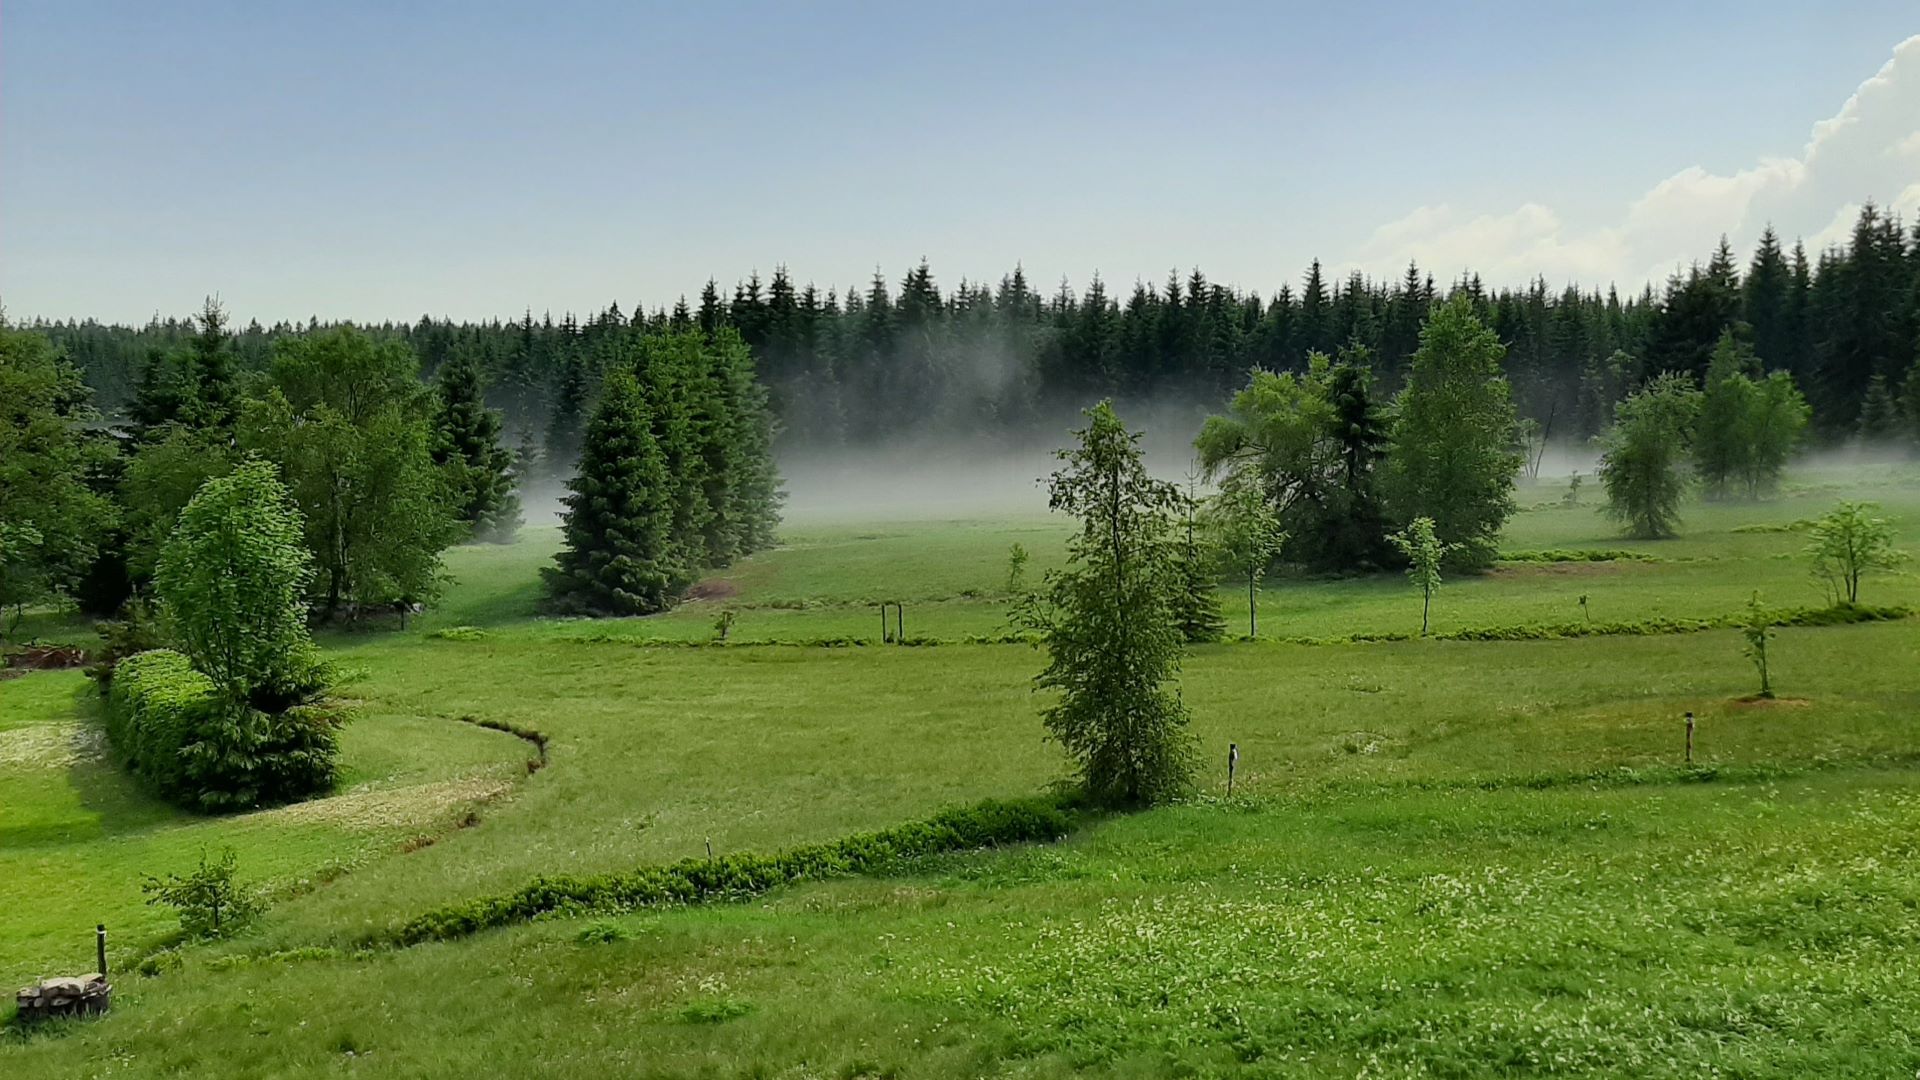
(1441, 858)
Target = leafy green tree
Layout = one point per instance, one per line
(52, 516)
(1425, 553)
(1848, 542)
(1775, 426)
(161, 478)
(1311, 443)
(619, 556)
(1112, 637)
(466, 445)
(1749, 425)
(1722, 442)
(1248, 535)
(1451, 456)
(1645, 452)
(232, 582)
(348, 422)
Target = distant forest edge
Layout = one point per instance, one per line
(858, 367)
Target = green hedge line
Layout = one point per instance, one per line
(1577, 555)
(191, 747)
(745, 874)
(1837, 615)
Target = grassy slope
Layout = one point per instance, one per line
(1029, 962)
(77, 836)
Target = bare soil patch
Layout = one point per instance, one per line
(712, 589)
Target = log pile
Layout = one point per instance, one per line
(81, 995)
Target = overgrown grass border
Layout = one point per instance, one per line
(741, 875)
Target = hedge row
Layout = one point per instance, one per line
(1577, 555)
(745, 874)
(1836, 615)
(192, 747)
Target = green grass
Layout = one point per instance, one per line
(1444, 858)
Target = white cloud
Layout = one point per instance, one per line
(1868, 150)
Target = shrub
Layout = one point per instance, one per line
(192, 746)
(208, 900)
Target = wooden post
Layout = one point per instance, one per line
(900, 622)
(1689, 738)
(1233, 759)
(885, 635)
(100, 946)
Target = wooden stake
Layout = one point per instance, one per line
(1689, 738)
(1233, 759)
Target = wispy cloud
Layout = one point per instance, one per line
(1870, 149)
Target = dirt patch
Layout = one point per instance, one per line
(713, 589)
(1755, 701)
(46, 657)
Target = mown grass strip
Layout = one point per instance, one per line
(741, 875)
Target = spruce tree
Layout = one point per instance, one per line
(466, 445)
(1197, 603)
(215, 400)
(1879, 416)
(569, 413)
(619, 557)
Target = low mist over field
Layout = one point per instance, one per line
(959, 542)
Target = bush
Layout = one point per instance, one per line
(744, 874)
(176, 732)
(208, 900)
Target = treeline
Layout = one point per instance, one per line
(384, 470)
(859, 366)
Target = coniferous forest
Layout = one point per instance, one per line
(862, 366)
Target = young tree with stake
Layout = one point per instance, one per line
(1425, 551)
(1249, 537)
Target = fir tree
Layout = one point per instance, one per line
(619, 557)
(466, 445)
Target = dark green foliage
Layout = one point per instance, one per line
(1112, 635)
(1835, 615)
(1748, 425)
(1311, 443)
(348, 423)
(209, 902)
(1452, 456)
(1197, 603)
(1645, 452)
(740, 875)
(989, 357)
(466, 445)
(619, 558)
(194, 747)
(1879, 415)
(1577, 555)
(51, 517)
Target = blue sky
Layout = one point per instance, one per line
(381, 160)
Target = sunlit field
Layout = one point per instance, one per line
(1438, 854)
